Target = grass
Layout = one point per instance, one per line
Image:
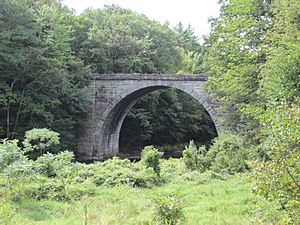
(207, 201)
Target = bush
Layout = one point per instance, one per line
(118, 171)
(150, 156)
(14, 167)
(10, 153)
(226, 155)
(168, 210)
(40, 140)
(194, 158)
(39, 187)
(55, 176)
(172, 168)
(54, 165)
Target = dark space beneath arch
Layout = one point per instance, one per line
(169, 118)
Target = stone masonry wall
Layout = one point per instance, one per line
(115, 94)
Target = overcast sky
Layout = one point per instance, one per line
(194, 12)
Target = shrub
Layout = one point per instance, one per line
(226, 155)
(40, 140)
(78, 190)
(54, 165)
(14, 167)
(10, 153)
(168, 210)
(118, 171)
(40, 187)
(194, 158)
(172, 168)
(150, 156)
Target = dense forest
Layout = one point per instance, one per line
(48, 54)
(252, 57)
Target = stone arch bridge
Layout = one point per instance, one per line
(115, 94)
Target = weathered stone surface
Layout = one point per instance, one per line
(115, 94)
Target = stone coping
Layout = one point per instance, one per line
(172, 77)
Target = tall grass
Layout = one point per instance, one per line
(208, 200)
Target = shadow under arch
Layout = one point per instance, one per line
(107, 140)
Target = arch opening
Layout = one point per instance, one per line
(167, 119)
(110, 139)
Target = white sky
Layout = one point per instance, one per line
(194, 12)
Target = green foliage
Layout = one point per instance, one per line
(234, 58)
(116, 40)
(46, 178)
(6, 212)
(40, 140)
(14, 169)
(168, 210)
(57, 177)
(45, 60)
(255, 60)
(39, 187)
(227, 154)
(10, 153)
(166, 117)
(121, 41)
(30, 189)
(190, 63)
(116, 171)
(43, 84)
(172, 168)
(278, 179)
(54, 165)
(194, 157)
(252, 55)
(279, 110)
(215, 202)
(150, 157)
(54, 179)
(186, 38)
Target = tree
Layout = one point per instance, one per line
(190, 62)
(194, 157)
(121, 41)
(186, 38)
(43, 83)
(150, 157)
(279, 109)
(47, 54)
(190, 50)
(234, 58)
(19, 53)
(40, 140)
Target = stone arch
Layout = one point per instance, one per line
(108, 127)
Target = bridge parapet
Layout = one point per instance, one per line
(172, 77)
